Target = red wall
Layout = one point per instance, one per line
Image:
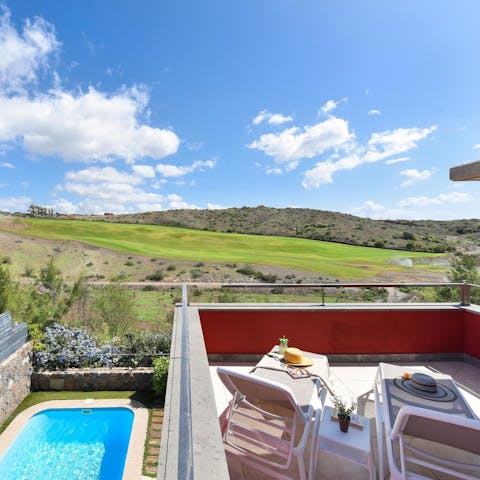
(472, 334)
(340, 331)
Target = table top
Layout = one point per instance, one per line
(274, 369)
(395, 397)
(354, 438)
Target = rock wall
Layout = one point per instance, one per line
(15, 373)
(90, 379)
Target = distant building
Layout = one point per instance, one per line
(108, 213)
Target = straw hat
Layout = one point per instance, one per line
(294, 356)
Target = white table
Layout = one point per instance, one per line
(389, 400)
(354, 446)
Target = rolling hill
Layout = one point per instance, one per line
(424, 235)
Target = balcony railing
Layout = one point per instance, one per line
(191, 442)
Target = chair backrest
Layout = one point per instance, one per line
(439, 427)
(261, 392)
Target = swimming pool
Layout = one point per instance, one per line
(70, 444)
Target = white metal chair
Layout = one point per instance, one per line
(444, 429)
(265, 427)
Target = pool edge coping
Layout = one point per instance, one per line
(136, 445)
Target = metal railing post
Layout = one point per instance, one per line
(465, 294)
(185, 437)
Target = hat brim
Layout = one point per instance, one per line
(307, 362)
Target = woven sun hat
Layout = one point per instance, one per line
(294, 356)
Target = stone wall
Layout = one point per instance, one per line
(90, 379)
(15, 373)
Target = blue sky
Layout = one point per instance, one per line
(122, 106)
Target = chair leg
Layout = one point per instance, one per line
(301, 467)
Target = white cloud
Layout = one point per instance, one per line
(414, 176)
(423, 201)
(7, 165)
(374, 111)
(393, 142)
(105, 174)
(24, 184)
(14, 204)
(271, 118)
(216, 206)
(75, 126)
(3, 185)
(64, 206)
(330, 106)
(381, 145)
(437, 207)
(393, 161)
(476, 146)
(145, 171)
(176, 202)
(110, 190)
(278, 119)
(92, 126)
(274, 171)
(293, 144)
(179, 171)
(22, 55)
(372, 209)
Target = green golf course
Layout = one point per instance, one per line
(329, 258)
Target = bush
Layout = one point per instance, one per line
(246, 270)
(194, 274)
(139, 348)
(171, 268)
(65, 347)
(266, 277)
(158, 276)
(160, 376)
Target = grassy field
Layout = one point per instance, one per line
(337, 260)
(155, 309)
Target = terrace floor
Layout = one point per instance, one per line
(355, 380)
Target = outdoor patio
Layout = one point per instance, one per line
(435, 338)
(354, 380)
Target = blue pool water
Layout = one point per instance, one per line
(70, 444)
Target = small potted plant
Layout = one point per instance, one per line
(283, 345)
(343, 412)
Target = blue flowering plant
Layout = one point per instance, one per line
(66, 347)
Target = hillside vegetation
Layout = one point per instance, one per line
(424, 235)
(325, 258)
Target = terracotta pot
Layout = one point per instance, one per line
(344, 424)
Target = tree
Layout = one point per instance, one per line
(114, 304)
(463, 269)
(51, 280)
(5, 288)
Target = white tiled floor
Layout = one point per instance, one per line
(356, 381)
